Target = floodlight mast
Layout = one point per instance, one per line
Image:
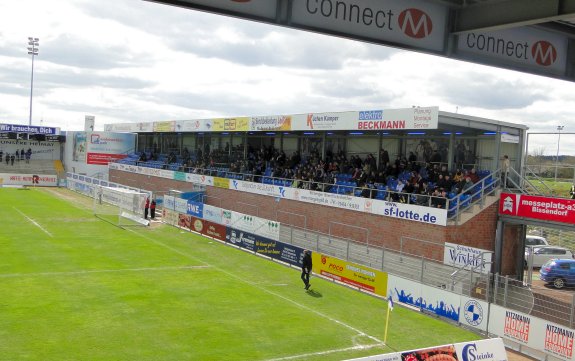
(33, 45)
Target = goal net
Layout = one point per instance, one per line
(121, 207)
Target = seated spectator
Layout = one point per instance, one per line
(458, 177)
(439, 199)
(473, 175)
(467, 186)
(143, 157)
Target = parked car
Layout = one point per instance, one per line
(559, 272)
(535, 241)
(542, 254)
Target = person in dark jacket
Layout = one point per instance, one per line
(306, 268)
(153, 209)
(146, 208)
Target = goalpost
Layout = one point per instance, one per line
(121, 207)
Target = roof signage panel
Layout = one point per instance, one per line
(261, 8)
(528, 47)
(412, 23)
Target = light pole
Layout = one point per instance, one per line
(33, 44)
(559, 129)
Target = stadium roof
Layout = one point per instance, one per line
(533, 36)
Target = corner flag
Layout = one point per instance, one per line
(389, 309)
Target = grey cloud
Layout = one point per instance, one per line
(481, 91)
(194, 32)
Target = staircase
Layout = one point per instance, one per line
(36, 166)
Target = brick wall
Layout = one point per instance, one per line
(418, 238)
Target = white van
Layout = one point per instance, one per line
(535, 241)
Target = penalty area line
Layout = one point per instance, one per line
(75, 273)
(327, 352)
(34, 222)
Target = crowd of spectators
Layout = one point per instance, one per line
(403, 179)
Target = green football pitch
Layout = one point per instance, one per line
(73, 287)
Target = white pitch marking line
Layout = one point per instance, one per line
(361, 333)
(33, 222)
(320, 353)
(73, 273)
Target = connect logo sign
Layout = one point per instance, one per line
(415, 23)
(544, 53)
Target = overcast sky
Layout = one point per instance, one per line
(137, 61)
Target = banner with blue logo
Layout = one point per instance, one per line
(195, 209)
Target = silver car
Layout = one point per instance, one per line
(542, 254)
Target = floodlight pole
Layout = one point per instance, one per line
(559, 129)
(33, 44)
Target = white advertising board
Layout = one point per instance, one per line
(431, 299)
(408, 212)
(467, 257)
(181, 205)
(262, 189)
(213, 214)
(474, 313)
(200, 179)
(198, 125)
(37, 180)
(260, 226)
(536, 333)
(412, 23)
(417, 118)
(169, 202)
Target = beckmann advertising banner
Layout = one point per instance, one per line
(352, 274)
(374, 119)
(491, 349)
(106, 147)
(537, 207)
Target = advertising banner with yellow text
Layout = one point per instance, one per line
(230, 124)
(221, 182)
(352, 274)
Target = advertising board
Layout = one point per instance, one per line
(106, 147)
(537, 207)
(37, 180)
(265, 246)
(467, 257)
(352, 274)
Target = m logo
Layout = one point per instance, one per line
(544, 53)
(415, 23)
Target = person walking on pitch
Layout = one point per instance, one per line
(306, 268)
